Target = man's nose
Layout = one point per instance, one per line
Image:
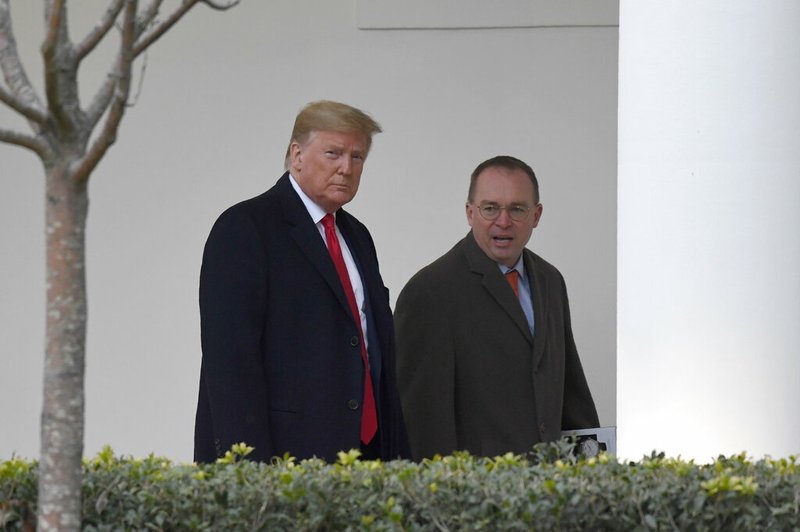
(345, 166)
(503, 219)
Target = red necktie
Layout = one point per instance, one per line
(512, 276)
(369, 419)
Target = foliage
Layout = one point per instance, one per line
(551, 489)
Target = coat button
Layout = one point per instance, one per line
(352, 404)
(354, 341)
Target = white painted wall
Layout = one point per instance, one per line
(709, 211)
(211, 127)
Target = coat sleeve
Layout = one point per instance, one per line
(425, 371)
(233, 296)
(578, 410)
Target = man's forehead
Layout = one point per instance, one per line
(336, 137)
(487, 201)
(491, 186)
(498, 177)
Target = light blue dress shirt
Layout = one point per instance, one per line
(524, 286)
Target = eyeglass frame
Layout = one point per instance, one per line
(508, 208)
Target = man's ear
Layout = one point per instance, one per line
(470, 213)
(537, 214)
(295, 155)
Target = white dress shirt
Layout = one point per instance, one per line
(317, 213)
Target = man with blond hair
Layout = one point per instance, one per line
(296, 329)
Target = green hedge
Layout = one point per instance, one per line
(549, 490)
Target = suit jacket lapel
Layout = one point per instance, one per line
(496, 285)
(539, 297)
(306, 235)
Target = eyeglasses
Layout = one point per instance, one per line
(490, 211)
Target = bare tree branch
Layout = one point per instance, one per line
(32, 113)
(108, 135)
(102, 99)
(153, 35)
(100, 29)
(26, 141)
(133, 101)
(147, 17)
(54, 10)
(21, 96)
(60, 71)
(160, 29)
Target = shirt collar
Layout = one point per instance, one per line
(519, 266)
(315, 211)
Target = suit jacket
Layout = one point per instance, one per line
(471, 375)
(282, 368)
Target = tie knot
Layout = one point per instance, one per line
(328, 222)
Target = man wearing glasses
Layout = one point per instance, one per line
(486, 359)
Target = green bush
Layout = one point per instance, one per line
(549, 490)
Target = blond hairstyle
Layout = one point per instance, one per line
(326, 115)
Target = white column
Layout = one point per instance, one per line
(709, 228)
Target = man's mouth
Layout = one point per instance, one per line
(502, 239)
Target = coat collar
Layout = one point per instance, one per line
(539, 297)
(494, 283)
(304, 232)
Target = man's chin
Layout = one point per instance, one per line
(506, 256)
(501, 257)
(335, 201)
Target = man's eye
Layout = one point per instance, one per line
(517, 210)
(489, 209)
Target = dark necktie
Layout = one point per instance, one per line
(512, 276)
(369, 418)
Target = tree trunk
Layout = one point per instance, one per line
(61, 131)
(63, 408)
